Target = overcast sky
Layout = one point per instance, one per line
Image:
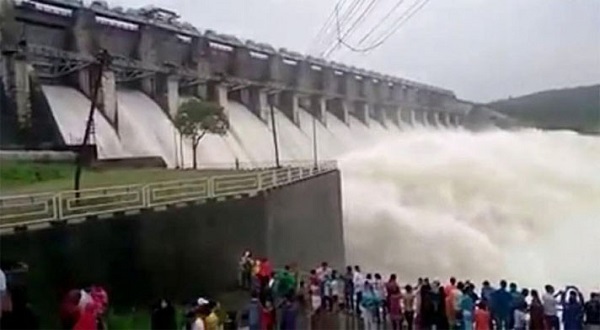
(481, 49)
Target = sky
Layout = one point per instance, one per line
(483, 50)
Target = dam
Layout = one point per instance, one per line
(157, 61)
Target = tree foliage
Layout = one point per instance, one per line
(195, 118)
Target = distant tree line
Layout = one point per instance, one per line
(573, 108)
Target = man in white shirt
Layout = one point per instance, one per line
(550, 308)
(359, 286)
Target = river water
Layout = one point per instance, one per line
(521, 205)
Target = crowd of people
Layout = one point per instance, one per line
(426, 304)
(288, 299)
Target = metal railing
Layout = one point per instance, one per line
(33, 209)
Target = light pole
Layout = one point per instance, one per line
(315, 139)
(274, 130)
(102, 61)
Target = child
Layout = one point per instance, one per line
(482, 317)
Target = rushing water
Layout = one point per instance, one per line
(419, 201)
(522, 205)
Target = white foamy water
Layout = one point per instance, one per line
(70, 110)
(520, 205)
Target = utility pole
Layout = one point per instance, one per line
(315, 139)
(274, 130)
(102, 60)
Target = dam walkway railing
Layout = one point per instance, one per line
(40, 210)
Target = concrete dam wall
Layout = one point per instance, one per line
(157, 61)
(183, 252)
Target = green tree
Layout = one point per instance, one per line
(195, 118)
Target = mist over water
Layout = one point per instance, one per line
(518, 205)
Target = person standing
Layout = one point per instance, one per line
(349, 289)
(536, 312)
(3, 291)
(592, 312)
(254, 312)
(520, 317)
(359, 284)
(501, 301)
(572, 308)
(337, 291)
(379, 288)
(467, 307)
(369, 305)
(486, 291)
(289, 314)
(482, 317)
(393, 302)
(408, 305)
(550, 308)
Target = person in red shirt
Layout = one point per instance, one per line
(482, 317)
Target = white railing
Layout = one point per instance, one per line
(26, 210)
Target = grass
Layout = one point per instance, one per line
(27, 177)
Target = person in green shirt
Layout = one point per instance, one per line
(286, 282)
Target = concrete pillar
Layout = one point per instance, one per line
(257, 102)
(446, 119)
(339, 107)
(393, 113)
(458, 120)
(173, 95)
(288, 103)
(421, 117)
(21, 92)
(413, 117)
(378, 113)
(405, 115)
(241, 64)
(436, 119)
(318, 106)
(108, 98)
(275, 63)
(303, 75)
(147, 51)
(83, 40)
(361, 109)
(217, 93)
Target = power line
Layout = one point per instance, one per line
(385, 36)
(346, 15)
(356, 23)
(328, 21)
(381, 21)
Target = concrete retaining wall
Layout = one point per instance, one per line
(183, 252)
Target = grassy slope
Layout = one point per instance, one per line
(26, 177)
(572, 108)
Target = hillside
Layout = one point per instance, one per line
(573, 108)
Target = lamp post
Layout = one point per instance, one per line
(274, 130)
(103, 60)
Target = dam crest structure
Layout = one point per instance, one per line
(49, 46)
